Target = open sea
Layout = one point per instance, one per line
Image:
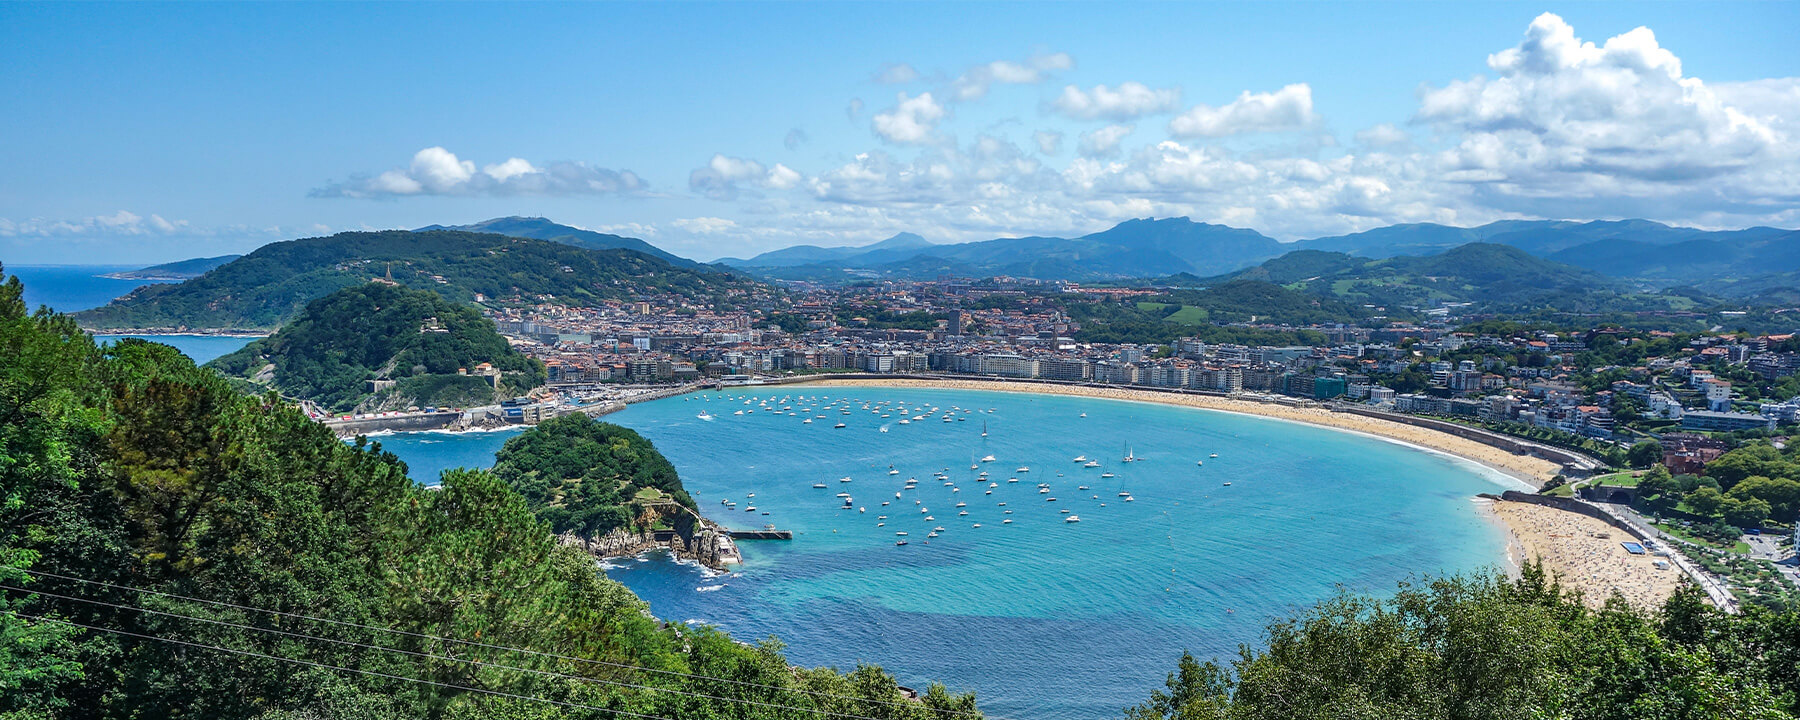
(1041, 617)
(69, 288)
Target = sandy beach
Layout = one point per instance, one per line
(1531, 470)
(1584, 553)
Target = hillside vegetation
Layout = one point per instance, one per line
(340, 342)
(128, 465)
(1488, 649)
(586, 477)
(262, 290)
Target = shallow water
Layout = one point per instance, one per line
(1042, 618)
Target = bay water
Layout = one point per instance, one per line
(1042, 617)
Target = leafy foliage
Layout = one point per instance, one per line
(131, 466)
(1480, 648)
(341, 341)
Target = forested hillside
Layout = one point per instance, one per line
(262, 290)
(139, 493)
(340, 342)
(588, 477)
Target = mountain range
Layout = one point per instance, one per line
(1648, 254)
(539, 228)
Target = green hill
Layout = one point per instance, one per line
(178, 270)
(1496, 278)
(154, 492)
(262, 290)
(587, 477)
(339, 343)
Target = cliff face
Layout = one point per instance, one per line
(693, 538)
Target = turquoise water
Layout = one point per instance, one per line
(1041, 617)
(201, 348)
(428, 454)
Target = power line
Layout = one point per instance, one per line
(471, 643)
(430, 656)
(327, 666)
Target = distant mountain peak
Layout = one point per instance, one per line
(540, 228)
(900, 241)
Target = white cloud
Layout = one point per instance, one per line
(911, 121)
(1289, 108)
(1567, 125)
(1128, 101)
(1104, 142)
(629, 229)
(121, 223)
(723, 176)
(705, 225)
(1049, 142)
(896, 74)
(436, 171)
(974, 83)
(1384, 135)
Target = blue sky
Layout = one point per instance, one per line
(144, 132)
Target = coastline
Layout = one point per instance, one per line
(1585, 554)
(1525, 469)
(166, 332)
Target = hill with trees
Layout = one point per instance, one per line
(178, 270)
(428, 346)
(544, 229)
(172, 548)
(587, 477)
(265, 288)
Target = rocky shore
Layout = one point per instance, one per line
(693, 538)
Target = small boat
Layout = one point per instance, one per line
(1072, 519)
(839, 425)
(962, 504)
(899, 542)
(1043, 490)
(1012, 480)
(1007, 521)
(1084, 414)
(960, 514)
(905, 422)
(892, 471)
(929, 518)
(843, 494)
(1200, 462)
(939, 528)
(1129, 498)
(1129, 457)
(1023, 469)
(984, 428)
(976, 524)
(807, 421)
(1214, 455)
(751, 508)
(1228, 484)
(1107, 475)
(1064, 511)
(931, 535)
(1124, 494)
(844, 479)
(739, 412)
(989, 458)
(820, 486)
(901, 533)
(1091, 463)
(1050, 499)
(1081, 458)
(1084, 487)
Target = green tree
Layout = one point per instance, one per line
(1644, 454)
(1706, 501)
(1746, 514)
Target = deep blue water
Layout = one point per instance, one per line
(69, 288)
(1041, 617)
